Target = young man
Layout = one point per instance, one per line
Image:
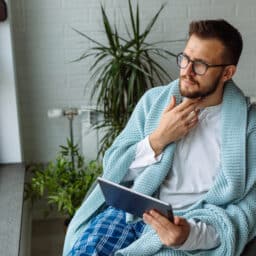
(192, 144)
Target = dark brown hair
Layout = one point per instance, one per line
(222, 31)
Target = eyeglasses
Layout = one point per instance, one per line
(199, 67)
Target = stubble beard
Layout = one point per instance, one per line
(199, 93)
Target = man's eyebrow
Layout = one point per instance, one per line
(200, 60)
(196, 59)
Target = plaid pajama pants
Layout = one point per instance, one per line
(107, 233)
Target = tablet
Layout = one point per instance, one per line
(131, 201)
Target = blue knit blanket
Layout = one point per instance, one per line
(229, 206)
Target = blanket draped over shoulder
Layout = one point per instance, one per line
(229, 206)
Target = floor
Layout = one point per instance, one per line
(11, 194)
(47, 237)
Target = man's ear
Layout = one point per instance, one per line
(228, 73)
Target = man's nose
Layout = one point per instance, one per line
(189, 69)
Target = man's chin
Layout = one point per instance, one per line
(189, 90)
(190, 95)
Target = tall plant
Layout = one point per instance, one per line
(123, 70)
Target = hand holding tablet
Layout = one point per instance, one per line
(131, 201)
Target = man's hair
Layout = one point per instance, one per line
(222, 31)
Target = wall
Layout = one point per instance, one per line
(10, 145)
(45, 45)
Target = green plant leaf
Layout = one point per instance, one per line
(150, 25)
(63, 187)
(89, 38)
(132, 21)
(123, 69)
(108, 30)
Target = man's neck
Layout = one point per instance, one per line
(209, 102)
(213, 99)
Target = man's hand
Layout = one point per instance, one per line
(170, 234)
(175, 122)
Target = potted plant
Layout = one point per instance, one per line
(63, 182)
(122, 71)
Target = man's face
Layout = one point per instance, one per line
(209, 51)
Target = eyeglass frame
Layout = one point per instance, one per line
(198, 61)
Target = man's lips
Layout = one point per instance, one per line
(188, 82)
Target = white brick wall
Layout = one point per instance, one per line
(45, 44)
(10, 144)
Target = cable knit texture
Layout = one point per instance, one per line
(229, 206)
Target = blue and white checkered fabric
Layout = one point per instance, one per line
(107, 233)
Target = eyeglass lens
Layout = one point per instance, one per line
(197, 66)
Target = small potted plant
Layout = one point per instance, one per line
(63, 182)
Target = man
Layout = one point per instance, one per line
(192, 144)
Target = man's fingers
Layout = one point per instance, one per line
(169, 233)
(192, 123)
(190, 112)
(149, 219)
(160, 218)
(171, 105)
(187, 103)
(179, 221)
